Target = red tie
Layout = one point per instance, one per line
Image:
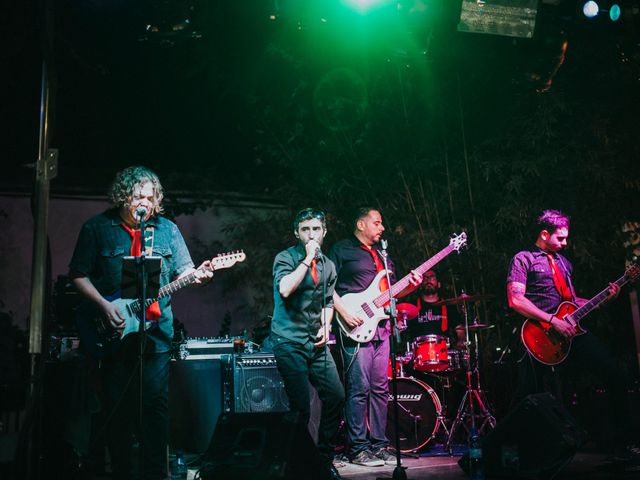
(153, 310)
(384, 285)
(559, 280)
(314, 271)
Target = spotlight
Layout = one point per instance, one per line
(590, 9)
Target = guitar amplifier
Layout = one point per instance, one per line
(205, 348)
(252, 383)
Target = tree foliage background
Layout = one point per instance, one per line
(460, 132)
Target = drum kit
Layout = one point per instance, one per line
(421, 413)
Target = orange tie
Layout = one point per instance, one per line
(153, 310)
(314, 271)
(559, 280)
(384, 285)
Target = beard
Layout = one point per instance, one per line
(428, 290)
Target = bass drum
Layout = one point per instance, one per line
(419, 412)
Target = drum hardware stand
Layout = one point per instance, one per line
(472, 395)
(508, 348)
(399, 472)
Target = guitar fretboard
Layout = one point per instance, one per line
(585, 309)
(382, 299)
(168, 289)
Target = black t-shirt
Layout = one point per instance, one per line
(430, 322)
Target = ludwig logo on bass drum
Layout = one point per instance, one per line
(406, 397)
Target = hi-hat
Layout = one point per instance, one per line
(463, 298)
(475, 326)
(407, 311)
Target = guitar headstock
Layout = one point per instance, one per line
(227, 260)
(632, 272)
(458, 241)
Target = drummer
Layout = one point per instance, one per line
(434, 319)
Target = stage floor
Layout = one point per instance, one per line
(584, 466)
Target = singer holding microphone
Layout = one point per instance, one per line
(303, 283)
(358, 259)
(96, 271)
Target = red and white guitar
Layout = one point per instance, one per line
(99, 338)
(549, 346)
(369, 304)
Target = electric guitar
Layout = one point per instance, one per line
(99, 339)
(549, 346)
(369, 304)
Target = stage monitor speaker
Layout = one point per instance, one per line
(262, 446)
(251, 383)
(534, 441)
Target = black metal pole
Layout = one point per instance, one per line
(142, 340)
(399, 472)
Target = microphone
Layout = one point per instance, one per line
(141, 212)
(383, 243)
(318, 254)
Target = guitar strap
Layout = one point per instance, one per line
(153, 310)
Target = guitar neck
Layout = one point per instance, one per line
(168, 289)
(403, 283)
(595, 302)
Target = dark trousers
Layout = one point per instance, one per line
(367, 387)
(121, 394)
(300, 364)
(588, 354)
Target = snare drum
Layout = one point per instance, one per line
(430, 353)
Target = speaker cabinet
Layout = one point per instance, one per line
(262, 446)
(195, 401)
(251, 383)
(534, 441)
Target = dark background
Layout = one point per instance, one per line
(306, 103)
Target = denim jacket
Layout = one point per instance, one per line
(98, 255)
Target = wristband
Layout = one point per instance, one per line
(306, 265)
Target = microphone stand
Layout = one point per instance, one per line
(399, 472)
(142, 339)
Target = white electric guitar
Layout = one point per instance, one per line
(369, 304)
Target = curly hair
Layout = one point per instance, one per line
(124, 183)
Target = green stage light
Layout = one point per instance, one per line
(614, 12)
(365, 6)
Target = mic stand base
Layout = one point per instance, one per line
(399, 473)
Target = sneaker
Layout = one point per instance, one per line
(366, 459)
(339, 461)
(385, 455)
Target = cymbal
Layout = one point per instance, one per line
(463, 298)
(407, 311)
(475, 326)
